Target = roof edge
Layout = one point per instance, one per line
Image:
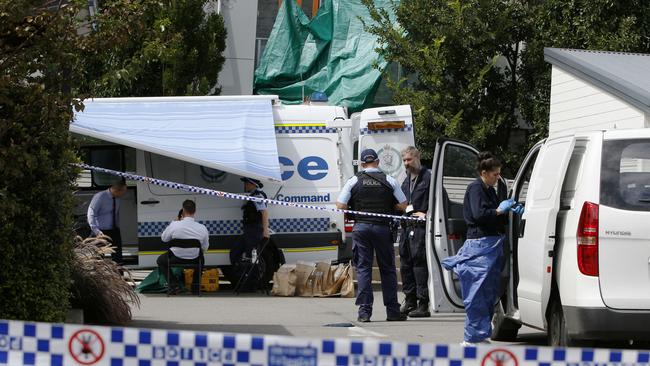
(599, 77)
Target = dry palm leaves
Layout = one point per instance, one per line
(98, 287)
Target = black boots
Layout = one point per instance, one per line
(422, 310)
(409, 304)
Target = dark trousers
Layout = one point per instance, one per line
(413, 264)
(251, 238)
(369, 238)
(164, 265)
(116, 237)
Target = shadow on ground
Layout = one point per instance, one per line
(220, 328)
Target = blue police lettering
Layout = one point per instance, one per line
(309, 168)
(172, 352)
(8, 343)
(286, 162)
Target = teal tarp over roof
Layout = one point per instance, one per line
(331, 52)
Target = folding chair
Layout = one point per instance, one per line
(195, 263)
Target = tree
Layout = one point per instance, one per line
(37, 55)
(464, 59)
(477, 66)
(153, 48)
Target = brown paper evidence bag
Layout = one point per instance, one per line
(309, 280)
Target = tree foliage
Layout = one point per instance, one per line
(476, 69)
(153, 48)
(37, 50)
(47, 59)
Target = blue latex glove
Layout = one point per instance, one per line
(518, 210)
(505, 205)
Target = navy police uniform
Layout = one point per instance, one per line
(253, 229)
(413, 259)
(372, 191)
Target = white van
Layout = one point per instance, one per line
(316, 148)
(578, 262)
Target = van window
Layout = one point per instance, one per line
(522, 192)
(571, 178)
(112, 157)
(458, 172)
(625, 174)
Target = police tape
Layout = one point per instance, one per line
(31, 343)
(211, 192)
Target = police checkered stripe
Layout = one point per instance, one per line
(234, 227)
(151, 228)
(210, 192)
(304, 129)
(366, 131)
(27, 343)
(300, 225)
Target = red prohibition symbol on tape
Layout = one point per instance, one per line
(500, 357)
(86, 346)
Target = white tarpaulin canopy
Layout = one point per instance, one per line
(232, 134)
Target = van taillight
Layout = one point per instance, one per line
(588, 239)
(349, 224)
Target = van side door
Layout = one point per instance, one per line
(537, 230)
(454, 168)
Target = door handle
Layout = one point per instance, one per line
(149, 202)
(522, 227)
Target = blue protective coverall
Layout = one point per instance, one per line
(478, 266)
(478, 262)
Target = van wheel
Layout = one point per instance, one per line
(557, 332)
(503, 329)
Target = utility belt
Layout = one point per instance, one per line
(377, 221)
(411, 224)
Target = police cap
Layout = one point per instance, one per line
(252, 181)
(369, 156)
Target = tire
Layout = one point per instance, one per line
(558, 335)
(503, 329)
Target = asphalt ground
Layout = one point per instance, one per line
(299, 317)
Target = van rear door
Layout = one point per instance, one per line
(387, 130)
(624, 214)
(537, 229)
(454, 168)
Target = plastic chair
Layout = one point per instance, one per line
(196, 262)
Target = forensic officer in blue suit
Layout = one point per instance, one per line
(371, 190)
(479, 261)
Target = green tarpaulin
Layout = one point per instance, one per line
(331, 52)
(156, 282)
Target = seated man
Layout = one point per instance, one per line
(186, 228)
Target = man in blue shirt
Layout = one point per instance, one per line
(375, 192)
(104, 215)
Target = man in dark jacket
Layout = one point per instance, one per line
(413, 268)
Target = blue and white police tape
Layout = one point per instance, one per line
(28, 343)
(211, 192)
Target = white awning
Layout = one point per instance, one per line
(232, 134)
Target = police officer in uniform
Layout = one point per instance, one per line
(413, 259)
(256, 216)
(370, 190)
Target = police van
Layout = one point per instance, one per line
(313, 146)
